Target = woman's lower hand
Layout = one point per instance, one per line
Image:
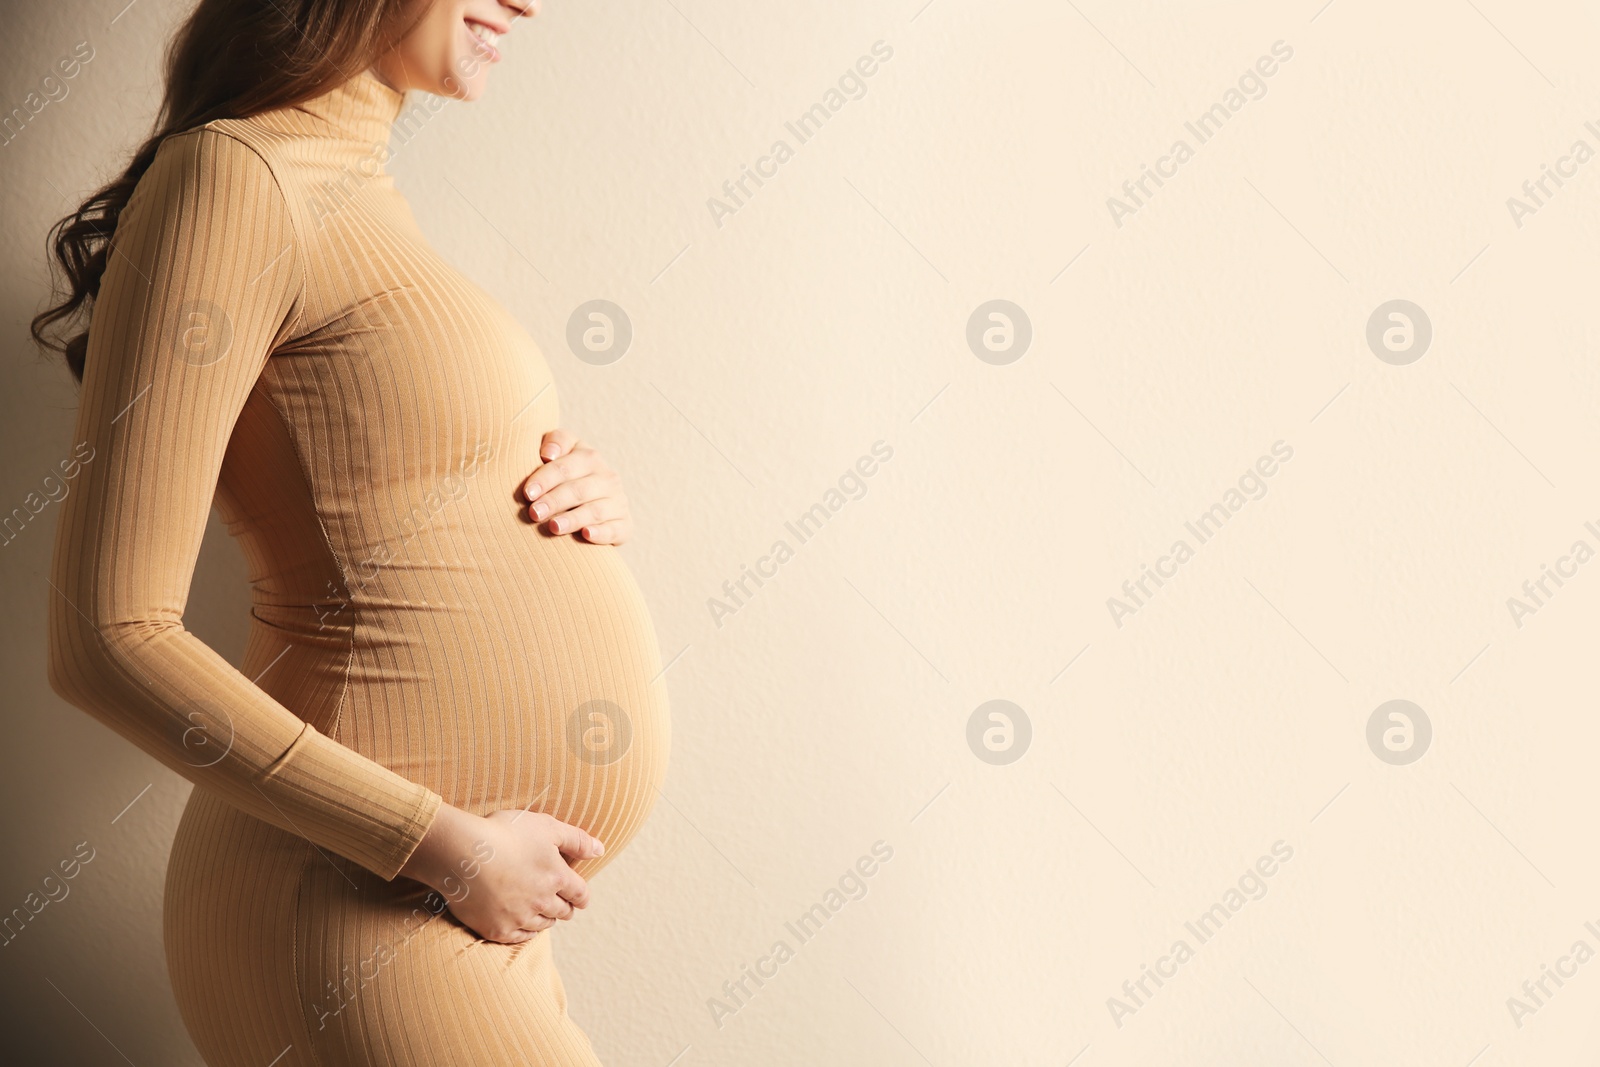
(575, 492)
(506, 876)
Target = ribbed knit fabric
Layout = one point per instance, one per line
(275, 335)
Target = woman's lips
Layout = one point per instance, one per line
(483, 37)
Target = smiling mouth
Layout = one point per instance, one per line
(487, 36)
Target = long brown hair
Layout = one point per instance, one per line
(231, 59)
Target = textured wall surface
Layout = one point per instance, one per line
(1300, 426)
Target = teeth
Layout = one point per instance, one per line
(483, 33)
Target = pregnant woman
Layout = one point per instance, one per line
(449, 715)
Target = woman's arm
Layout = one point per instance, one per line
(204, 280)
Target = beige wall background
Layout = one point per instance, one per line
(1426, 880)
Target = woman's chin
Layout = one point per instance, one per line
(464, 89)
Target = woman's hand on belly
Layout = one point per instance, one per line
(576, 492)
(506, 875)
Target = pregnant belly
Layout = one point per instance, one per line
(525, 677)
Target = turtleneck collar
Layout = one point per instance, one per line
(361, 109)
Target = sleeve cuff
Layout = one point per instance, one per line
(350, 804)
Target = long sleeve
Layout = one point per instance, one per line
(203, 282)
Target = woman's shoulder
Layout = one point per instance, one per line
(218, 155)
(215, 150)
(249, 152)
(262, 135)
(220, 168)
(250, 133)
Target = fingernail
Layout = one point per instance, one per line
(599, 849)
(540, 510)
(556, 526)
(532, 490)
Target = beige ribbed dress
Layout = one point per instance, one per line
(275, 335)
